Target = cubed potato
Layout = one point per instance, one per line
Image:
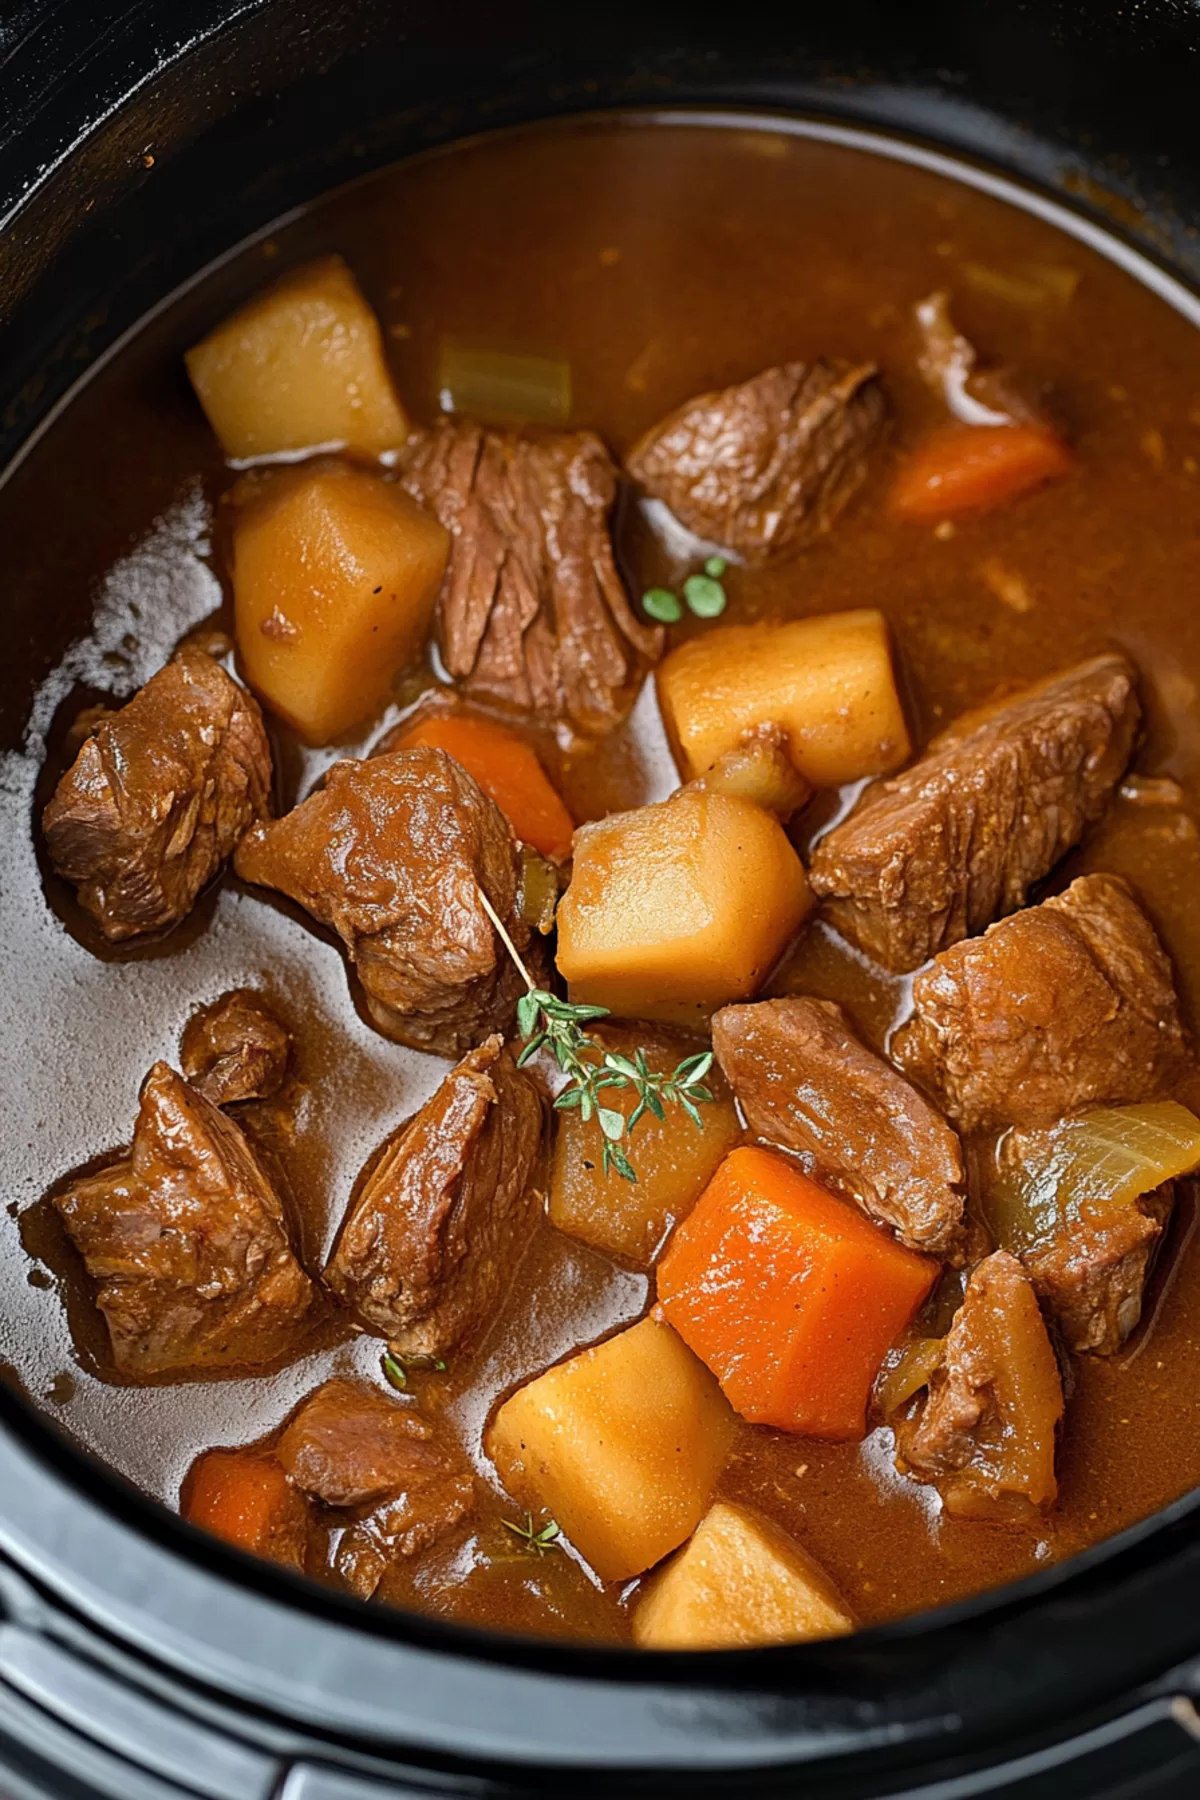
(622, 1445)
(827, 681)
(674, 1161)
(740, 1582)
(335, 575)
(300, 367)
(675, 909)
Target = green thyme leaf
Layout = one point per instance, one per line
(612, 1123)
(716, 567)
(705, 596)
(539, 1539)
(663, 605)
(397, 1368)
(691, 1112)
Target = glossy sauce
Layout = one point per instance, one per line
(661, 260)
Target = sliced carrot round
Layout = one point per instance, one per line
(970, 468)
(505, 768)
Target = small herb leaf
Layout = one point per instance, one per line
(612, 1123)
(616, 1158)
(705, 596)
(396, 1368)
(663, 605)
(539, 1539)
(716, 567)
(691, 1112)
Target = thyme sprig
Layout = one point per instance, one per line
(548, 1023)
(535, 1538)
(396, 1368)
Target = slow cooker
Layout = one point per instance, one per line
(139, 139)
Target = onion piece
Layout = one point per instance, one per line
(908, 1374)
(947, 362)
(1107, 1157)
(503, 385)
(1031, 286)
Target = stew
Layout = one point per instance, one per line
(601, 781)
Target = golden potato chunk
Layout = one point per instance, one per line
(335, 575)
(675, 909)
(674, 1161)
(622, 1445)
(827, 682)
(300, 367)
(740, 1582)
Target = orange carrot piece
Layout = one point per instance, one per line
(247, 1499)
(506, 768)
(969, 468)
(789, 1295)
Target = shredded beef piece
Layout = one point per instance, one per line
(430, 1246)
(532, 611)
(187, 1241)
(393, 853)
(159, 795)
(1089, 1261)
(803, 1080)
(766, 466)
(1067, 1004)
(985, 1432)
(353, 1448)
(235, 1049)
(933, 855)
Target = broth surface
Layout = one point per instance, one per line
(660, 261)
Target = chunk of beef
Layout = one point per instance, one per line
(1089, 1254)
(159, 795)
(353, 1448)
(984, 1432)
(394, 853)
(1092, 1275)
(766, 466)
(1068, 1004)
(235, 1049)
(430, 1246)
(933, 855)
(187, 1241)
(804, 1081)
(532, 611)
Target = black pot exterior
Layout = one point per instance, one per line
(137, 142)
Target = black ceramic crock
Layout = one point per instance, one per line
(139, 1661)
